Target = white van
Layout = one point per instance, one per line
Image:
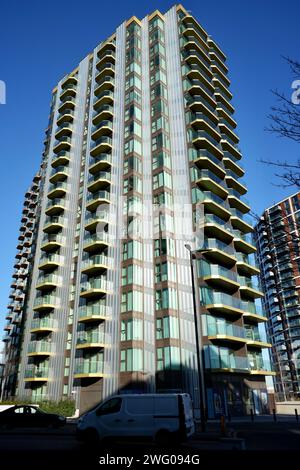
(163, 417)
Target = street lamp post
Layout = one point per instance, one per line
(200, 378)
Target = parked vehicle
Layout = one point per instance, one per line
(29, 416)
(161, 417)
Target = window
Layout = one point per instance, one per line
(133, 81)
(167, 327)
(111, 406)
(132, 301)
(161, 140)
(160, 123)
(164, 246)
(158, 90)
(161, 159)
(131, 360)
(132, 329)
(132, 145)
(166, 298)
(132, 249)
(133, 95)
(157, 61)
(133, 112)
(168, 358)
(132, 183)
(132, 274)
(158, 76)
(161, 272)
(296, 202)
(132, 163)
(133, 128)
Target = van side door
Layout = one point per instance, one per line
(139, 412)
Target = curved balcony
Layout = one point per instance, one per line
(228, 132)
(207, 180)
(199, 121)
(215, 227)
(232, 149)
(218, 276)
(106, 69)
(243, 242)
(55, 206)
(202, 140)
(103, 128)
(226, 333)
(40, 348)
(99, 181)
(102, 145)
(90, 339)
(103, 113)
(204, 159)
(233, 182)
(57, 190)
(101, 162)
(37, 374)
(105, 83)
(68, 81)
(234, 199)
(66, 114)
(95, 199)
(52, 242)
(70, 89)
(245, 265)
(231, 164)
(220, 303)
(95, 242)
(239, 221)
(68, 102)
(215, 204)
(253, 313)
(50, 261)
(223, 98)
(59, 173)
(105, 98)
(39, 325)
(53, 224)
(95, 264)
(86, 369)
(62, 158)
(64, 130)
(105, 56)
(254, 339)
(96, 219)
(45, 303)
(91, 313)
(94, 288)
(63, 144)
(199, 91)
(248, 288)
(260, 366)
(48, 282)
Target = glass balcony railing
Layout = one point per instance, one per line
(98, 195)
(229, 361)
(102, 140)
(85, 337)
(57, 186)
(53, 238)
(97, 309)
(96, 259)
(96, 216)
(59, 169)
(253, 334)
(247, 282)
(101, 175)
(54, 220)
(199, 99)
(97, 283)
(50, 258)
(36, 372)
(50, 278)
(55, 202)
(218, 222)
(89, 367)
(45, 300)
(209, 174)
(210, 270)
(210, 196)
(96, 237)
(210, 297)
(225, 329)
(46, 322)
(259, 363)
(106, 93)
(102, 125)
(206, 154)
(102, 109)
(40, 347)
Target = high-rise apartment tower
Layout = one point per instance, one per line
(140, 134)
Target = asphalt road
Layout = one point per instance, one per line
(54, 448)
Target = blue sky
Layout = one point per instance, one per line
(42, 41)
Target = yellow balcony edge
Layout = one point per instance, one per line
(90, 345)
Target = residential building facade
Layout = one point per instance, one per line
(278, 256)
(20, 286)
(141, 153)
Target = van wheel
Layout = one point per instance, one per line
(90, 437)
(163, 437)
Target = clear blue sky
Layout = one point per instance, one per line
(42, 41)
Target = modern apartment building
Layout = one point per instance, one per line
(20, 287)
(278, 255)
(140, 134)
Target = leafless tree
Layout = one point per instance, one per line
(285, 122)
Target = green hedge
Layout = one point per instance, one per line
(63, 407)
